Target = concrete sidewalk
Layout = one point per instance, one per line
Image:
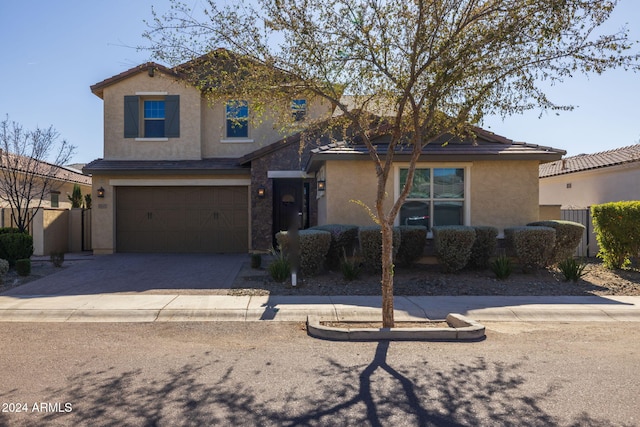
(105, 307)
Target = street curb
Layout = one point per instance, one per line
(461, 328)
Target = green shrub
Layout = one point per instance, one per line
(8, 230)
(370, 238)
(23, 267)
(453, 245)
(483, 247)
(502, 267)
(279, 269)
(57, 258)
(533, 246)
(568, 236)
(617, 232)
(256, 261)
(343, 238)
(350, 267)
(15, 246)
(572, 269)
(313, 246)
(412, 241)
(4, 267)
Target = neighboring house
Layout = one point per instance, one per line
(576, 183)
(180, 174)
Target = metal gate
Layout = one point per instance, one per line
(588, 245)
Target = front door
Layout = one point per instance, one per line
(290, 205)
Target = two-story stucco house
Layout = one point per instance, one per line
(182, 174)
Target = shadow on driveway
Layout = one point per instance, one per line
(138, 273)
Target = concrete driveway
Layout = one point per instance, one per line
(138, 273)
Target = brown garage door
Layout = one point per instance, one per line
(181, 219)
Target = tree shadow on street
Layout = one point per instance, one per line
(376, 394)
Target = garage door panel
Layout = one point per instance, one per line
(182, 219)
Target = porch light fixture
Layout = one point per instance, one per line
(101, 192)
(261, 192)
(322, 185)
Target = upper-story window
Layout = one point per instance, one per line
(299, 109)
(237, 117)
(152, 116)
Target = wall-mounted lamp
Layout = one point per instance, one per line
(151, 71)
(261, 192)
(101, 192)
(322, 185)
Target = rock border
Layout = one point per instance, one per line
(461, 328)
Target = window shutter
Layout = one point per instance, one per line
(172, 116)
(131, 116)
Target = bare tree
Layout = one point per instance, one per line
(26, 176)
(435, 66)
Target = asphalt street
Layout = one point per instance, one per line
(272, 373)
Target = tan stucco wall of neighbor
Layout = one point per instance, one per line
(549, 212)
(117, 147)
(587, 188)
(504, 193)
(103, 212)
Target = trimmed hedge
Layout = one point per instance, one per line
(568, 236)
(15, 246)
(484, 247)
(533, 246)
(371, 246)
(4, 267)
(8, 230)
(453, 245)
(617, 232)
(412, 241)
(314, 245)
(343, 238)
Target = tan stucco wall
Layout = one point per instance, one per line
(103, 213)
(502, 193)
(611, 184)
(50, 231)
(202, 124)
(549, 212)
(117, 147)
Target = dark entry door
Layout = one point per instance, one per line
(290, 204)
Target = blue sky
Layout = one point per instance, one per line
(52, 51)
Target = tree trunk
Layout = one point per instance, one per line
(387, 275)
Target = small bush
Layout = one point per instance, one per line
(453, 245)
(502, 267)
(8, 230)
(350, 267)
(533, 246)
(572, 269)
(568, 236)
(4, 267)
(279, 269)
(617, 232)
(370, 238)
(256, 261)
(23, 267)
(412, 241)
(343, 238)
(57, 258)
(313, 247)
(483, 247)
(15, 246)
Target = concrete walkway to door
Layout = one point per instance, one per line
(139, 273)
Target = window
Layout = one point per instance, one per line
(152, 116)
(154, 119)
(237, 116)
(55, 199)
(436, 198)
(299, 109)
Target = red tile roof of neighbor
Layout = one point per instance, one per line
(584, 162)
(39, 167)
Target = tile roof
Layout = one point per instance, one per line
(42, 168)
(584, 162)
(204, 166)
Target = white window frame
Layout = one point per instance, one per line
(437, 165)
